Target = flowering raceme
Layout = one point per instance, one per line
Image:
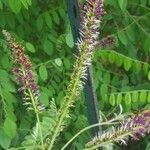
(89, 31)
(91, 18)
(23, 72)
(143, 121)
(135, 127)
(86, 43)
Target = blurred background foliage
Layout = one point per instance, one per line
(121, 72)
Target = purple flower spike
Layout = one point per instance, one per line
(135, 127)
(142, 121)
(23, 71)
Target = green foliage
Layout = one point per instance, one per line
(43, 72)
(129, 64)
(5, 141)
(47, 123)
(11, 132)
(122, 75)
(131, 99)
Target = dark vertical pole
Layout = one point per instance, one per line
(90, 96)
(74, 17)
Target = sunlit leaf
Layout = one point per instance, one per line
(15, 5)
(69, 40)
(10, 128)
(122, 37)
(43, 72)
(30, 47)
(112, 99)
(58, 62)
(119, 99)
(48, 19)
(5, 141)
(143, 97)
(122, 4)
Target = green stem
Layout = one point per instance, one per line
(65, 106)
(35, 110)
(87, 128)
(136, 22)
(140, 5)
(43, 63)
(62, 116)
(37, 117)
(129, 58)
(125, 28)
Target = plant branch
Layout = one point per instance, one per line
(87, 128)
(37, 117)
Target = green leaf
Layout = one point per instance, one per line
(118, 60)
(112, 99)
(62, 12)
(58, 62)
(127, 64)
(69, 40)
(30, 47)
(67, 63)
(56, 17)
(39, 23)
(122, 4)
(5, 141)
(103, 89)
(5, 62)
(52, 38)
(59, 97)
(1, 5)
(43, 72)
(25, 3)
(145, 68)
(148, 146)
(47, 91)
(106, 78)
(111, 57)
(143, 96)
(15, 5)
(123, 38)
(104, 55)
(44, 99)
(128, 99)
(130, 33)
(104, 92)
(3, 75)
(10, 113)
(119, 98)
(48, 20)
(29, 2)
(137, 67)
(135, 99)
(8, 85)
(48, 47)
(9, 97)
(10, 128)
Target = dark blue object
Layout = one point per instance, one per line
(90, 96)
